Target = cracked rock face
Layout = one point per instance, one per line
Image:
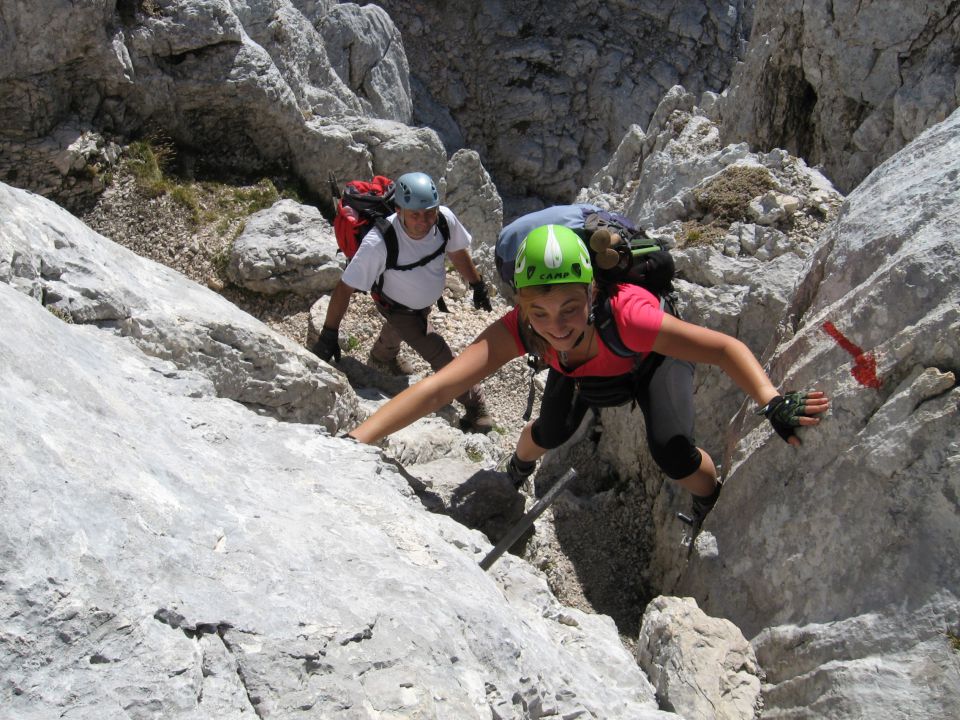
(90, 280)
(546, 96)
(858, 528)
(316, 87)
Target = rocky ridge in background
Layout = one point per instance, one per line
(261, 83)
(545, 96)
(312, 87)
(844, 85)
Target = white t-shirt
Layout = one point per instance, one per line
(417, 288)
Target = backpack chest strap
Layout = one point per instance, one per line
(389, 234)
(393, 249)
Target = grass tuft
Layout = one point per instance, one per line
(727, 196)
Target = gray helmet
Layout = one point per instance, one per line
(416, 191)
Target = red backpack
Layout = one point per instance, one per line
(359, 206)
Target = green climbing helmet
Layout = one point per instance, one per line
(550, 255)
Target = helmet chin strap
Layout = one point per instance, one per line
(589, 316)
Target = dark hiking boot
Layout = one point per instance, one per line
(701, 506)
(395, 366)
(476, 419)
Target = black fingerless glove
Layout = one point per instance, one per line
(481, 300)
(784, 413)
(327, 345)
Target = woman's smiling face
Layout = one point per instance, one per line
(560, 315)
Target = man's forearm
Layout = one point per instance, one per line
(464, 264)
(339, 302)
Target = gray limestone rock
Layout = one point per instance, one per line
(258, 82)
(474, 495)
(288, 247)
(884, 666)
(432, 437)
(358, 148)
(468, 190)
(863, 520)
(83, 276)
(853, 532)
(843, 85)
(702, 667)
(548, 95)
(169, 553)
(366, 51)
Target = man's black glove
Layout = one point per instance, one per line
(784, 413)
(481, 300)
(327, 345)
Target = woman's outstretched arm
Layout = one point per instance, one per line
(492, 349)
(687, 341)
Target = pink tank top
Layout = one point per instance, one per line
(638, 317)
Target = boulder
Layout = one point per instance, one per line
(701, 666)
(288, 247)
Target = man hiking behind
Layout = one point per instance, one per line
(425, 234)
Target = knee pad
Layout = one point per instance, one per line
(549, 438)
(678, 457)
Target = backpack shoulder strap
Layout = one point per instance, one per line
(385, 227)
(390, 242)
(443, 227)
(607, 327)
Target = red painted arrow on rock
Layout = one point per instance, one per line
(864, 364)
